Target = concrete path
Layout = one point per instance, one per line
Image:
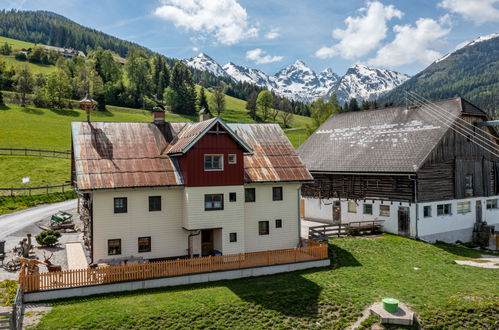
(13, 222)
(485, 261)
(76, 256)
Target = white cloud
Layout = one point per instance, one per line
(413, 43)
(258, 56)
(478, 11)
(272, 34)
(363, 33)
(226, 19)
(195, 49)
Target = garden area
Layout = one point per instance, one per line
(364, 270)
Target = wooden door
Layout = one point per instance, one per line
(302, 208)
(404, 221)
(206, 242)
(478, 211)
(337, 211)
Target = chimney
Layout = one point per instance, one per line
(158, 115)
(204, 115)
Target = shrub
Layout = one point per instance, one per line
(20, 56)
(48, 237)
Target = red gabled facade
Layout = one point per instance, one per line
(214, 142)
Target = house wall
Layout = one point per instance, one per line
(322, 210)
(165, 226)
(229, 220)
(192, 163)
(450, 228)
(265, 209)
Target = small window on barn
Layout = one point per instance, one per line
(468, 185)
(213, 162)
(145, 244)
(491, 204)
(249, 195)
(352, 207)
(114, 247)
(233, 237)
(232, 197)
(278, 223)
(120, 205)
(232, 159)
(213, 202)
(154, 203)
(427, 211)
(444, 209)
(463, 207)
(277, 193)
(263, 228)
(384, 210)
(368, 209)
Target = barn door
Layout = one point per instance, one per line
(478, 211)
(337, 212)
(404, 221)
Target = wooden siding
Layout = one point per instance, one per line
(192, 163)
(436, 182)
(359, 187)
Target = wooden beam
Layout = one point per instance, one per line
(487, 123)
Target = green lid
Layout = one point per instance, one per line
(390, 301)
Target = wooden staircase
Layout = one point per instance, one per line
(5, 317)
(322, 233)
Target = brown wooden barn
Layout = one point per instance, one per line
(429, 170)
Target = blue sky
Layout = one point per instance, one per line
(405, 36)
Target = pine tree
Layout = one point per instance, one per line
(353, 106)
(202, 101)
(251, 105)
(160, 74)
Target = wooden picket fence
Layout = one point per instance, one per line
(150, 270)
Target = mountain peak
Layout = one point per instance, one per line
(203, 62)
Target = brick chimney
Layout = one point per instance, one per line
(158, 115)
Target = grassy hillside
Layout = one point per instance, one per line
(16, 44)
(11, 61)
(443, 294)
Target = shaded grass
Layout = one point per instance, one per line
(445, 295)
(16, 203)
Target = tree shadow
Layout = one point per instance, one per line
(66, 112)
(341, 257)
(101, 143)
(4, 107)
(32, 111)
(105, 113)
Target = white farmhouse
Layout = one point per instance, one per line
(164, 190)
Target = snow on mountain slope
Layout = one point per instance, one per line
(205, 63)
(364, 83)
(474, 42)
(249, 75)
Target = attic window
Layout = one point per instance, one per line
(213, 162)
(232, 159)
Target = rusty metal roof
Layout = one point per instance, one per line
(273, 157)
(121, 155)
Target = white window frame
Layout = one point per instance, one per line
(382, 211)
(234, 161)
(213, 169)
(443, 208)
(460, 207)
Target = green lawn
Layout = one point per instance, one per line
(445, 295)
(16, 44)
(43, 171)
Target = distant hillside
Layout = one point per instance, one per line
(471, 72)
(52, 29)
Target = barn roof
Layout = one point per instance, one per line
(123, 155)
(391, 140)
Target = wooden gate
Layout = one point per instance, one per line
(337, 212)
(404, 221)
(478, 211)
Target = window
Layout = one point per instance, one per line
(444, 209)
(352, 207)
(232, 158)
(492, 204)
(213, 162)
(427, 211)
(278, 223)
(263, 227)
(463, 207)
(277, 193)
(249, 195)
(384, 210)
(154, 203)
(233, 237)
(368, 209)
(120, 205)
(213, 202)
(232, 197)
(468, 185)
(145, 244)
(113, 247)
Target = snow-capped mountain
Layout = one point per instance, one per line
(299, 82)
(474, 42)
(364, 83)
(205, 63)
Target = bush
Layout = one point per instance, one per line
(48, 237)
(20, 56)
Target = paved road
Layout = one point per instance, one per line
(13, 222)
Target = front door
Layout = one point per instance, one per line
(337, 212)
(478, 211)
(404, 221)
(206, 242)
